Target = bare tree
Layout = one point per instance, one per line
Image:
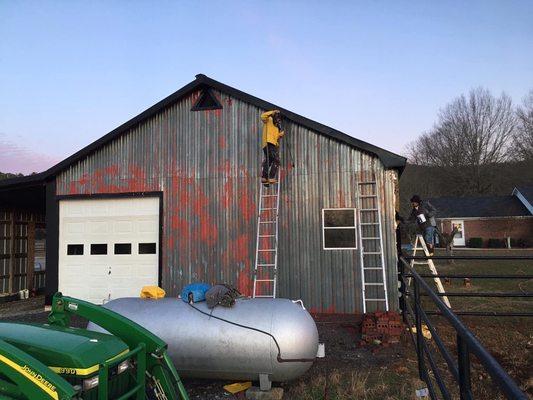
(522, 146)
(471, 133)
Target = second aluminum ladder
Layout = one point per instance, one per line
(373, 268)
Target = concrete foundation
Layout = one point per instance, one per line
(255, 393)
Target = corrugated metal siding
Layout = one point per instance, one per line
(207, 164)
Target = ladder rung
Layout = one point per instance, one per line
(267, 235)
(371, 252)
(266, 265)
(373, 299)
(420, 263)
(264, 295)
(369, 223)
(266, 249)
(368, 195)
(369, 209)
(269, 195)
(265, 209)
(374, 284)
(373, 268)
(371, 238)
(265, 280)
(267, 222)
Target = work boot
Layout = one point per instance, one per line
(264, 180)
(272, 180)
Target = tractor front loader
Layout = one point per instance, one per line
(56, 361)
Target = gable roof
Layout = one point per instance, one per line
(389, 159)
(525, 195)
(482, 207)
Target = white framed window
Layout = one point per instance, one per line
(339, 231)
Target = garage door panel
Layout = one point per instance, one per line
(99, 227)
(146, 227)
(108, 221)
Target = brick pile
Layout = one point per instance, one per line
(383, 328)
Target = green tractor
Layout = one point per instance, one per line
(56, 361)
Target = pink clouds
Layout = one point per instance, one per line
(20, 158)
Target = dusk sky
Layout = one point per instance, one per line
(378, 70)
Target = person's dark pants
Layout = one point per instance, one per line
(271, 161)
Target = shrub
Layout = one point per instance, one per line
(475, 242)
(520, 243)
(497, 243)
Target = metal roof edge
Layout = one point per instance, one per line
(390, 160)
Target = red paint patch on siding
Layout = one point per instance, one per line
(137, 181)
(208, 230)
(244, 283)
(73, 187)
(228, 193)
(242, 248)
(246, 205)
(330, 310)
(222, 141)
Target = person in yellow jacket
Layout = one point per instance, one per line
(272, 133)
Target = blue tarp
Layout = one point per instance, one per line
(195, 292)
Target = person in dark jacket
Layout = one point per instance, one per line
(423, 213)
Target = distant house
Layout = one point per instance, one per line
(489, 217)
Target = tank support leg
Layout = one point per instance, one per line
(264, 382)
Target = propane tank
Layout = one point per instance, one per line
(276, 338)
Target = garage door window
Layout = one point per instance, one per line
(339, 231)
(147, 248)
(122, 248)
(74, 250)
(98, 249)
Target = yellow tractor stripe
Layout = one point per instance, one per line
(83, 371)
(34, 378)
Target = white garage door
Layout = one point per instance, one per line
(108, 248)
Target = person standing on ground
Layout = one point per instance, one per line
(272, 132)
(423, 213)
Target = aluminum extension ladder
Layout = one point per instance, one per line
(373, 271)
(266, 256)
(429, 262)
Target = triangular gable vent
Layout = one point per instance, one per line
(206, 101)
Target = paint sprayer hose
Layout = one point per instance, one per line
(279, 358)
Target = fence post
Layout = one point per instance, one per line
(463, 362)
(401, 272)
(419, 335)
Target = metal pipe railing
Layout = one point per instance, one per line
(466, 341)
(504, 258)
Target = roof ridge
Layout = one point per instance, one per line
(388, 158)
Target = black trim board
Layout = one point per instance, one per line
(157, 194)
(52, 241)
(389, 159)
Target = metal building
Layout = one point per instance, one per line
(170, 197)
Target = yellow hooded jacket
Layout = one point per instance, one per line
(271, 133)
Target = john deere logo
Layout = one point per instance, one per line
(38, 377)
